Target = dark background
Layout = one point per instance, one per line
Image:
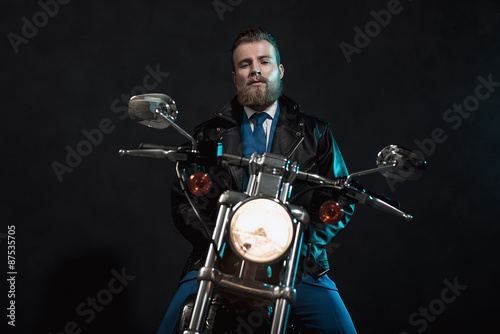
(112, 213)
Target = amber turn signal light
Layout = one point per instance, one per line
(200, 184)
(331, 212)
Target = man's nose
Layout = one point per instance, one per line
(256, 70)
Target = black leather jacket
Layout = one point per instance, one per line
(299, 136)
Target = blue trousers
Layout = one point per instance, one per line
(318, 306)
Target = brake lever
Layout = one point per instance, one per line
(368, 199)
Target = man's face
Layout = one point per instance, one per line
(257, 75)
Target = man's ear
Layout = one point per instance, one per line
(234, 77)
(282, 71)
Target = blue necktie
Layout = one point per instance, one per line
(258, 132)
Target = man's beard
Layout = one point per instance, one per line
(259, 97)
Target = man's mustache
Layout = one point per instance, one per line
(258, 78)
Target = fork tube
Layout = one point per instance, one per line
(280, 318)
(291, 269)
(282, 306)
(206, 287)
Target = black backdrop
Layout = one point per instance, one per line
(68, 67)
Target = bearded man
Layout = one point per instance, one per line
(257, 74)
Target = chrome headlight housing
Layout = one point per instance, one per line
(261, 230)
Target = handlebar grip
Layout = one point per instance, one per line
(226, 159)
(155, 153)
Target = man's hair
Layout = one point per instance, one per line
(254, 35)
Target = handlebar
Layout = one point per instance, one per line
(340, 185)
(226, 159)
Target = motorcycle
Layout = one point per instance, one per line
(253, 257)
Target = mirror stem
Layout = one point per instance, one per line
(369, 171)
(178, 128)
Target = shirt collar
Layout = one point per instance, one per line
(271, 110)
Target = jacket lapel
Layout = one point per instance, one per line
(288, 134)
(232, 145)
(285, 139)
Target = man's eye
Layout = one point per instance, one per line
(244, 65)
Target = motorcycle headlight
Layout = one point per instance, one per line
(261, 230)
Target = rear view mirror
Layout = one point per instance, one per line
(153, 110)
(407, 165)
